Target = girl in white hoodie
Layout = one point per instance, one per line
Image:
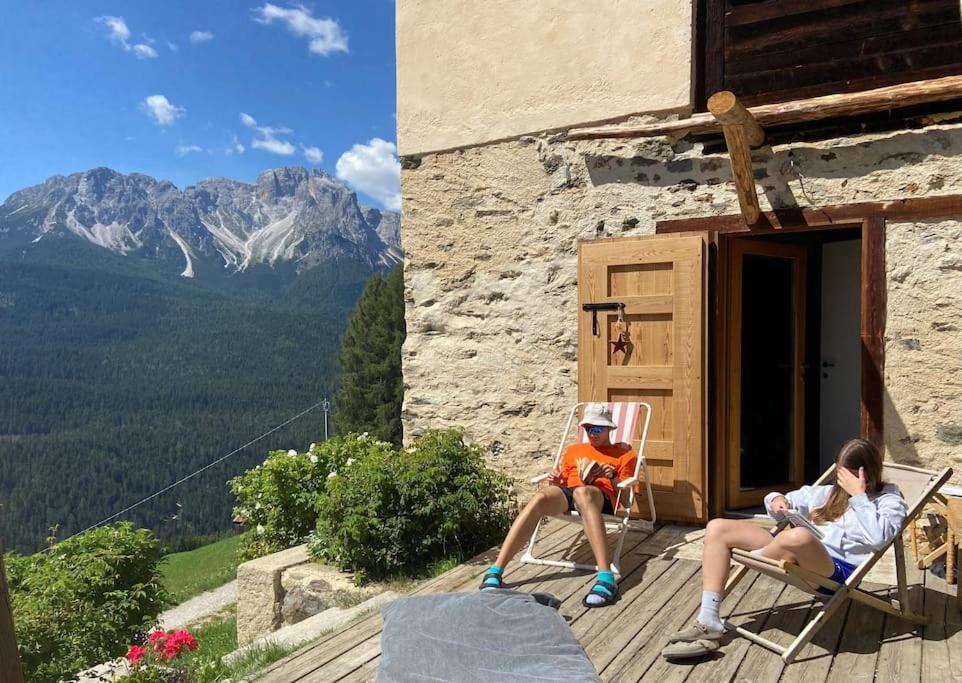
(857, 515)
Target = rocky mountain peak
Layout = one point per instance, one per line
(289, 214)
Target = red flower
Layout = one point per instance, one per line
(156, 635)
(135, 653)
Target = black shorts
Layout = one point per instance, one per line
(606, 508)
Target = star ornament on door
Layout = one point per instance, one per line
(621, 345)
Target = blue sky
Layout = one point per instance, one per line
(184, 90)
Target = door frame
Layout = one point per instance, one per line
(729, 325)
(872, 326)
(871, 217)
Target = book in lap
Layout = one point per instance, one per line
(795, 518)
(588, 469)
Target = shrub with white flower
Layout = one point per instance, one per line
(279, 496)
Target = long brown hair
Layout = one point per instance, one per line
(854, 454)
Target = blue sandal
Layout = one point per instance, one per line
(491, 580)
(607, 591)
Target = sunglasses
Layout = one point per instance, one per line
(595, 429)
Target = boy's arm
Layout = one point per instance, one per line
(626, 466)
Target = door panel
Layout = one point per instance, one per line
(766, 420)
(661, 281)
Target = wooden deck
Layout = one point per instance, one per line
(661, 594)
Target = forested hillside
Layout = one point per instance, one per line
(117, 377)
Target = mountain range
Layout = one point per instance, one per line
(288, 215)
(145, 331)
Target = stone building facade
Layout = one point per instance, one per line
(496, 199)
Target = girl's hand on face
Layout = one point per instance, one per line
(779, 506)
(852, 485)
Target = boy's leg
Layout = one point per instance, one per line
(550, 500)
(590, 501)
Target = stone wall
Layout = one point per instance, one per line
(491, 235)
(923, 344)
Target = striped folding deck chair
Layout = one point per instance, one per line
(917, 487)
(627, 417)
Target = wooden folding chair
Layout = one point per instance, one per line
(626, 416)
(917, 487)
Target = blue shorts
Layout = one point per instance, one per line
(843, 570)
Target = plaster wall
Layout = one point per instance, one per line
(491, 232)
(470, 72)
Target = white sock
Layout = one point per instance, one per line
(708, 616)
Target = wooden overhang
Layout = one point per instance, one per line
(797, 111)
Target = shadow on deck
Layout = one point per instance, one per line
(661, 592)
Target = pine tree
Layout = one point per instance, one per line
(370, 385)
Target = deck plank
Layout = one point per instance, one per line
(788, 617)
(900, 654)
(936, 660)
(647, 627)
(859, 646)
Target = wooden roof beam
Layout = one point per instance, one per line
(741, 133)
(799, 111)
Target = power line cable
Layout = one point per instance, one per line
(194, 474)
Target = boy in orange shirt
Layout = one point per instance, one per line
(566, 492)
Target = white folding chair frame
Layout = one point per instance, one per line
(809, 581)
(616, 522)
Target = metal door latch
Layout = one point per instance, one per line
(594, 308)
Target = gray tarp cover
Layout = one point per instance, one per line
(493, 635)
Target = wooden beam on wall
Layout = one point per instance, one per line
(741, 132)
(873, 330)
(10, 669)
(798, 111)
(788, 220)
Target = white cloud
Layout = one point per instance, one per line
(266, 137)
(161, 110)
(324, 35)
(184, 150)
(313, 154)
(172, 46)
(144, 52)
(375, 170)
(273, 145)
(201, 37)
(119, 34)
(235, 147)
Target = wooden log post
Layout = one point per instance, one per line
(10, 669)
(741, 133)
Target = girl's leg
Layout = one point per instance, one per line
(799, 546)
(721, 537)
(548, 501)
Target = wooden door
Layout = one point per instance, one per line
(661, 282)
(765, 391)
